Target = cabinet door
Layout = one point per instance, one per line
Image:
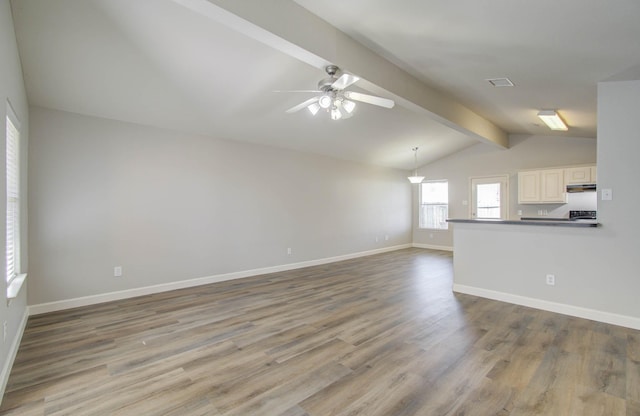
(578, 175)
(529, 187)
(553, 187)
(594, 174)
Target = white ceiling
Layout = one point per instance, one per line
(211, 66)
(555, 52)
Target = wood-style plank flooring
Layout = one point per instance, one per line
(378, 335)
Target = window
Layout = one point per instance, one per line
(13, 201)
(434, 205)
(488, 202)
(489, 197)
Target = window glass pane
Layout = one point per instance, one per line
(435, 192)
(488, 200)
(434, 206)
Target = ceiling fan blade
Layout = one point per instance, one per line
(344, 81)
(369, 99)
(296, 91)
(302, 105)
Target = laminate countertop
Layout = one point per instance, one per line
(539, 223)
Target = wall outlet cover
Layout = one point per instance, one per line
(551, 279)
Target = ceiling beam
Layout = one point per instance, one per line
(292, 29)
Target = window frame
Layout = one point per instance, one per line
(13, 278)
(421, 205)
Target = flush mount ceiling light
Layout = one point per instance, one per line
(552, 120)
(415, 178)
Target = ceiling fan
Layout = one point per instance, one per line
(335, 100)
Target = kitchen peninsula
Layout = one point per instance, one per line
(537, 222)
(514, 261)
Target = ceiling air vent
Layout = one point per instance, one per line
(500, 82)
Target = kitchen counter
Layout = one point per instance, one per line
(537, 222)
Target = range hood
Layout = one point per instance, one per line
(589, 187)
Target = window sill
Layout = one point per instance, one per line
(14, 287)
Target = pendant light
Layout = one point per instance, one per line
(415, 178)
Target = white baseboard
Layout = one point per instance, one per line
(182, 284)
(577, 311)
(11, 356)
(432, 247)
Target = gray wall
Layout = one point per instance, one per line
(168, 206)
(596, 269)
(12, 89)
(525, 152)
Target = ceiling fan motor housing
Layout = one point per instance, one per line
(325, 84)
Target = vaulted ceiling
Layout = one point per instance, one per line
(211, 67)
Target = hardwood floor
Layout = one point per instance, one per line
(379, 335)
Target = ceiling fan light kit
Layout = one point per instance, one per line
(335, 100)
(325, 101)
(349, 106)
(314, 108)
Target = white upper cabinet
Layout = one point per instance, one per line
(548, 186)
(544, 186)
(529, 187)
(580, 175)
(553, 186)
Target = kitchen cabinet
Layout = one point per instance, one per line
(529, 187)
(580, 175)
(544, 186)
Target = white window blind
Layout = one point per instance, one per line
(13, 200)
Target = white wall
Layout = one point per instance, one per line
(525, 152)
(168, 206)
(12, 90)
(597, 269)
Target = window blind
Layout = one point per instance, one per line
(13, 200)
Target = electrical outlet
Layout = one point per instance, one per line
(386, 237)
(117, 271)
(289, 251)
(551, 280)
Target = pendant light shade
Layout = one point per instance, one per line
(415, 178)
